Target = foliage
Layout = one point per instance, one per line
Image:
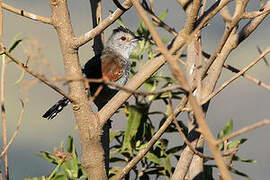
(140, 128)
(68, 163)
(227, 146)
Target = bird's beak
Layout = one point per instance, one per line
(137, 38)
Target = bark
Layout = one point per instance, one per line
(89, 127)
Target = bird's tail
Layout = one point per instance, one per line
(55, 109)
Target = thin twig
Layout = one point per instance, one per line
(247, 76)
(228, 30)
(182, 134)
(1, 21)
(264, 58)
(213, 94)
(158, 21)
(203, 7)
(36, 75)
(3, 115)
(237, 75)
(152, 66)
(115, 85)
(244, 130)
(254, 14)
(27, 14)
(79, 41)
(16, 131)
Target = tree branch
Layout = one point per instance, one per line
(152, 66)
(244, 130)
(237, 75)
(3, 115)
(27, 14)
(83, 39)
(179, 75)
(36, 75)
(247, 76)
(15, 133)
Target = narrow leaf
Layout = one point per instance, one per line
(133, 123)
(163, 15)
(236, 143)
(152, 157)
(227, 130)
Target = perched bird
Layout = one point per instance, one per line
(113, 64)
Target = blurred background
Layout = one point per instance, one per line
(242, 101)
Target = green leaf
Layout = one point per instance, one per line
(151, 84)
(174, 150)
(120, 22)
(236, 143)
(235, 171)
(133, 123)
(236, 158)
(116, 160)
(16, 41)
(167, 165)
(163, 15)
(162, 143)
(113, 134)
(20, 78)
(70, 145)
(142, 30)
(47, 156)
(227, 130)
(165, 40)
(115, 170)
(60, 177)
(152, 157)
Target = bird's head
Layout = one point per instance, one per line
(123, 41)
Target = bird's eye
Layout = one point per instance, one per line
(123, 38)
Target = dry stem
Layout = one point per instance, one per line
(27, 14)
(36, 75)
(15, 132)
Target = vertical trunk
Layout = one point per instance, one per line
(89, 127)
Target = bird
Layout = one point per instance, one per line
(112, 64)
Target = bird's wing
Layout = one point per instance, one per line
(112, 66)
(92, 68)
